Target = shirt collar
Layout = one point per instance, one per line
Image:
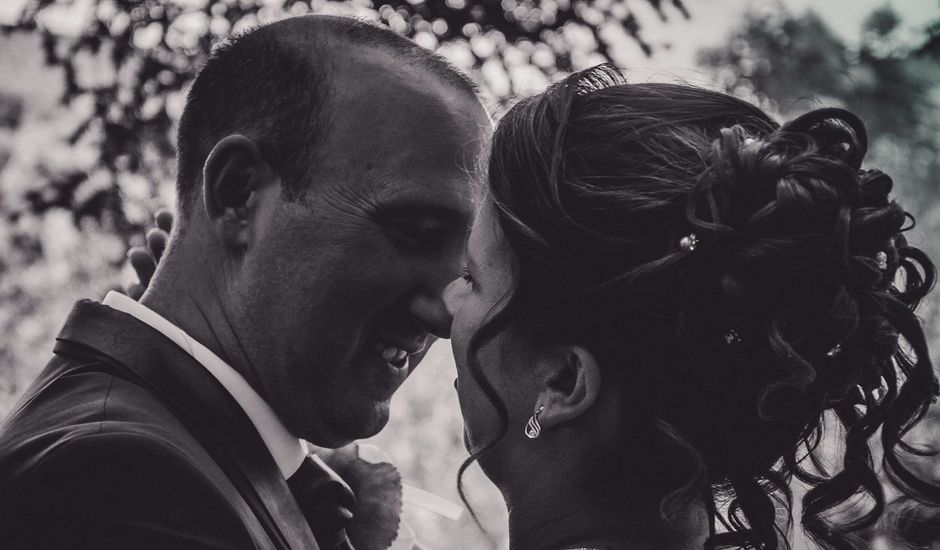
(287, 450)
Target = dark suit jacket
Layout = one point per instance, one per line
(125, 441)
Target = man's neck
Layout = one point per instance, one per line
(194, 303)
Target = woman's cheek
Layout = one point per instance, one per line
(479, 415)
(481, 419)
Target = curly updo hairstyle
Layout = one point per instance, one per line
(736, 277)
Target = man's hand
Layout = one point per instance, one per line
(144, 260)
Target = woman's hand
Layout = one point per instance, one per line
(144, 260)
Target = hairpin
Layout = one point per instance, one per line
(732, 337)
(689, 242)
(836, 350)
(882, 258)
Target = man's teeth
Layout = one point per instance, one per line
(394, 355)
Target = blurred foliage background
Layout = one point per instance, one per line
(90, 92)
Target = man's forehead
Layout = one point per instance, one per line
(414, 150)
(455, 201)
(413, 142)
(382, 76)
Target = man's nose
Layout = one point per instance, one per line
(429, 305)
(430, 309)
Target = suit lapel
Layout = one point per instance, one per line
(202, 404)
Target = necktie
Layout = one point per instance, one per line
(325, 500)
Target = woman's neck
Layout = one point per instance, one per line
(541, 524)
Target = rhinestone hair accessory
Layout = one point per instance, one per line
(688, 242)
(836, 350)
(882, 258)
(732, 337)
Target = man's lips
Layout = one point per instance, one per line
(397, 352)
(393, 355)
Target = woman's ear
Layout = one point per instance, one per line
(234, 171)
(571, 385)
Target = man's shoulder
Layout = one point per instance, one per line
(84, 402)
(78, 411)
(87, 447)
(119, 488)
(78, 398)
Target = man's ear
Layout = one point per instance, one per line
(571, 385)
(234, 171)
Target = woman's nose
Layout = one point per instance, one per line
(454, 295)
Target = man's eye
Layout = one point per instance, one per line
(423, 237)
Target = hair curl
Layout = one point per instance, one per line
(800, 252)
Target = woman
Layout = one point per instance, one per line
(666, 292)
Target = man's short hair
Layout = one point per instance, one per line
(271, 86)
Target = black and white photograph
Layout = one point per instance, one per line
(469, 274)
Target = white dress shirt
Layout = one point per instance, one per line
(287, 450)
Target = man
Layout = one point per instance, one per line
(324, 192)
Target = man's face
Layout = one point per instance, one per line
(340, 290)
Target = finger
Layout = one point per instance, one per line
(164, 219)
(156, 242)
(135, 291)
(143, 264)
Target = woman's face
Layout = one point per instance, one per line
(471, 300)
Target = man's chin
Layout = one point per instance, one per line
(374, 427)
(349, 427)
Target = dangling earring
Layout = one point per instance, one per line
(532, 427)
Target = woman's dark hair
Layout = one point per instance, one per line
(794, 298)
